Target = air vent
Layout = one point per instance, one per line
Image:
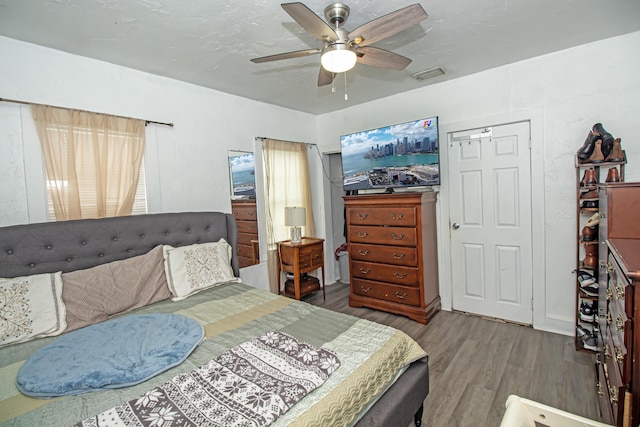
(427, 74)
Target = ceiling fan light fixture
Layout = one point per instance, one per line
(338, 58)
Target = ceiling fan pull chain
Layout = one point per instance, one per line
(333, 82)
(346, 96)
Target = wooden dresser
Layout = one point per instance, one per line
(247, 220)
(393, 261)
(618, 358)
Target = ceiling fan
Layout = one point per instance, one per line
(342, 48)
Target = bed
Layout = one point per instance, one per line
(382, 379)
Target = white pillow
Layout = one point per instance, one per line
(193, 268)
(31, 307)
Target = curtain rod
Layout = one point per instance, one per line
(293, 142)
(94, 112)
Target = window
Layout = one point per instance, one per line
(93, 163)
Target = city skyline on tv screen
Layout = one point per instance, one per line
(400, 155)
(243, 175)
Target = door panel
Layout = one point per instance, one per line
(490, 208)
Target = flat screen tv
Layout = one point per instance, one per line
(397, 156)
(242, 167)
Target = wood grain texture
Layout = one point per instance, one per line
(475, 364)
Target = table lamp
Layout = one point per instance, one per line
(295, 217)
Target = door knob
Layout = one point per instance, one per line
(455, 225)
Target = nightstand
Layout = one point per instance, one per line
(297, 259)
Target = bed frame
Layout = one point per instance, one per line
(78, 244)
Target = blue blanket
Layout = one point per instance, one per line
(112, 354)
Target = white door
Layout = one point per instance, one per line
(490, 221)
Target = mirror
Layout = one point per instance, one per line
(242, 171)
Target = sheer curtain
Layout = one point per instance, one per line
(286, 172)
(92, 161)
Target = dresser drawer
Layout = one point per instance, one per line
(245, 251)
(397, 255)
(602, 388)
(246, 213)
(395, 236)
(247, 227)
(310, 260)
(245, 239)
(387, 292)
(394, 216)
(400, 275)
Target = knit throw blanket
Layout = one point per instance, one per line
(249, 385)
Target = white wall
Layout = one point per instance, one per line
(564, 94)
(186, 165)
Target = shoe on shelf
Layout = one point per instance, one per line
(591, 290)
(606, 137)
(590, 342)
(585, 278)
(587, 311)
(589, 145)
(589, 178)
(589, 204)
(616, 154)
(597, 156)
(589, 234)
(589, 195)
(593, 220)
(613, 175)
(582, 332)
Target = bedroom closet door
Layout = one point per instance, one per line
(490, 221)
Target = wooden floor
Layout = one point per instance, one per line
(475, 364)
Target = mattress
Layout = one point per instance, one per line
(371, 357)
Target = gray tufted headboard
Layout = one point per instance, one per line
(78, 244)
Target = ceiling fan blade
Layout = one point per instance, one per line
(325, 77)
(371, 55)
(287, 55)
(310, 21)
(388, 25)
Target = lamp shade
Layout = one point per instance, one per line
(338, 58)
(294, 216)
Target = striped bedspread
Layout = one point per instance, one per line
(370, 355)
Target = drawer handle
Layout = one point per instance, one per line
(609, 294)
(400, 275)
(397, 216)
(607, 351)
(620, 291)
(401, 296)
(363, 271)
(609, 267)
(619, 324)
(362, 216)
(250, 213)
(363, 235)
(395, 236)
(365, 290)
(613, 394)
(619, 355)
(363, 252)
(396, 256)
(609, 319)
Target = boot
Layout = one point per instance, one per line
(589, 234)
(589, 178)
(597, 156)
(591, 258)
(587, 148)
(616, 154)
(589, 195)
(607, 139)
(612, 175)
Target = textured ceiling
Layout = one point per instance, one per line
(210, 43)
